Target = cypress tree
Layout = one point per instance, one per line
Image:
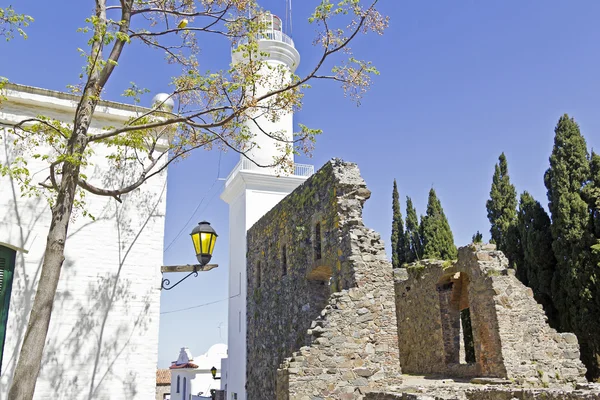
(438, 241)
(502, 212)
(594, 209)
(477, 238)
(593, 193)
(573, 284)
(539, 263)
(398, 246)
(412, 242)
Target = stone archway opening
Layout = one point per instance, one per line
(453, 292)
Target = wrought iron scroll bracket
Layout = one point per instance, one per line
(166, 282)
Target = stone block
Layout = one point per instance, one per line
(569, 338)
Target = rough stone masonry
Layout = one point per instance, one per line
(328, 318)
(511, 337)
(320, 295)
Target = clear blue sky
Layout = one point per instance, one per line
(461, 81)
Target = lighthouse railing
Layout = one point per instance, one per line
(304, 170)
(269, 34)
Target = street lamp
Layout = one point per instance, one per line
(213, 371)
(204, 238)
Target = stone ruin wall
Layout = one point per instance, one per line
(321, 310)
(491, 393)
(511, 336)
(329, 319)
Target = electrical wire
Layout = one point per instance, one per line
(208, 203)
(199, 305)
(197, 207)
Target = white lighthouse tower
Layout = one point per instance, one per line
(251, 191)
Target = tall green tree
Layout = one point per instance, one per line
(592, 196)
(502, 212)
(213, 108)
(438, 241)
(413, 244)
(592, 193)
(539, 263)
(477, 237)
(398, 239)
(574, 284)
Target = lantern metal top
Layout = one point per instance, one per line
(204, 227)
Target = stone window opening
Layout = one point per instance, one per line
(321, 269)
(257, 276)
(178, 383)
(467, 351)
(456, 319)
(284, 260)
(317, 243)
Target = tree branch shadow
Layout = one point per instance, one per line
(94, 338)
(26, 215)
(93, 332)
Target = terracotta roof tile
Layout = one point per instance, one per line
(181, 366)
(163, 377)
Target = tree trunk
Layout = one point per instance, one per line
(30, 357)
(32, 350)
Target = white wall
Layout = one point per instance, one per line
(250, 195)
(224, 374)
(236, 326)
(197, 381)
(203, 382)
(185, 385)
(103, 336)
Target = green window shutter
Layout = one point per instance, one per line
(7, 267)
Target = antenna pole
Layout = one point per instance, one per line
(285, 25)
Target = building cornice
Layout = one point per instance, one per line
(251, 180)
(61, 106)
(46, 98)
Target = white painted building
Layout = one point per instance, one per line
(252, 191)
(103, 336)
(191, 378)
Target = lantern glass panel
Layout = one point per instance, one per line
(196, 240)
(208, 242)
